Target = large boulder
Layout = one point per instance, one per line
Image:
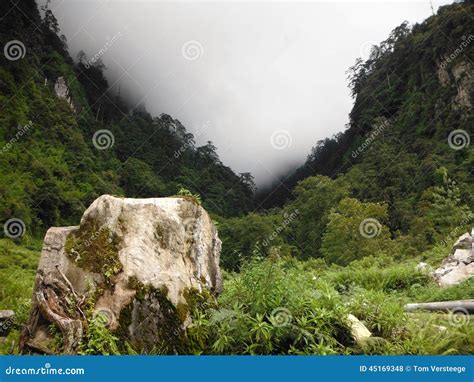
(143, 264)
(459, 266)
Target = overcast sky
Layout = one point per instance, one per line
(263, 80)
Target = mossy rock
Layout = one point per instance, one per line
(95, 249)
(151, 324)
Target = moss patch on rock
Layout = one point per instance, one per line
(95, 249)
(196, 300)
(151, 323)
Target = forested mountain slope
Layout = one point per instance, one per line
(414, 90)
(405, 161)
(355, 231)
(66, 139)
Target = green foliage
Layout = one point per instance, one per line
(98, 340)
(272, 307)
(401, 83)
(17, 273)
(253, 235)
(383, 314)
(315, 197)
(368, 204)
(379, 273)
(139, 179)
(291, 307)
(50, 168)
(95, 249)
(355, 230)
(185, 193)
(441, 209)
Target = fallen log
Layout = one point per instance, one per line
(457, 306)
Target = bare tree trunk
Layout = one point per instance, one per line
(458, 306)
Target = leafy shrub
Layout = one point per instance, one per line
(355, 230)
(380, 274)
(273, 306)
(98, 339)
(185, 193)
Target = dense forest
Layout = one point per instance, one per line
(56, 168)
(403, 167)
(399, 150)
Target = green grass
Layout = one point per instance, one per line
(315, 299)
(287, 306)
(18, 266)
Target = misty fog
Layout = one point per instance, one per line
(263, 81)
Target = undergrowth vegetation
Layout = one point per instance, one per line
(281, 305)
(17, 273)
(360, 217)
(287, 306)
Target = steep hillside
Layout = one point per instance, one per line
(405, 162)
(410, 95)
(65, 139)
(366, 221)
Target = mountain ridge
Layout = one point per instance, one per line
(85, 141)
(403, 65)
